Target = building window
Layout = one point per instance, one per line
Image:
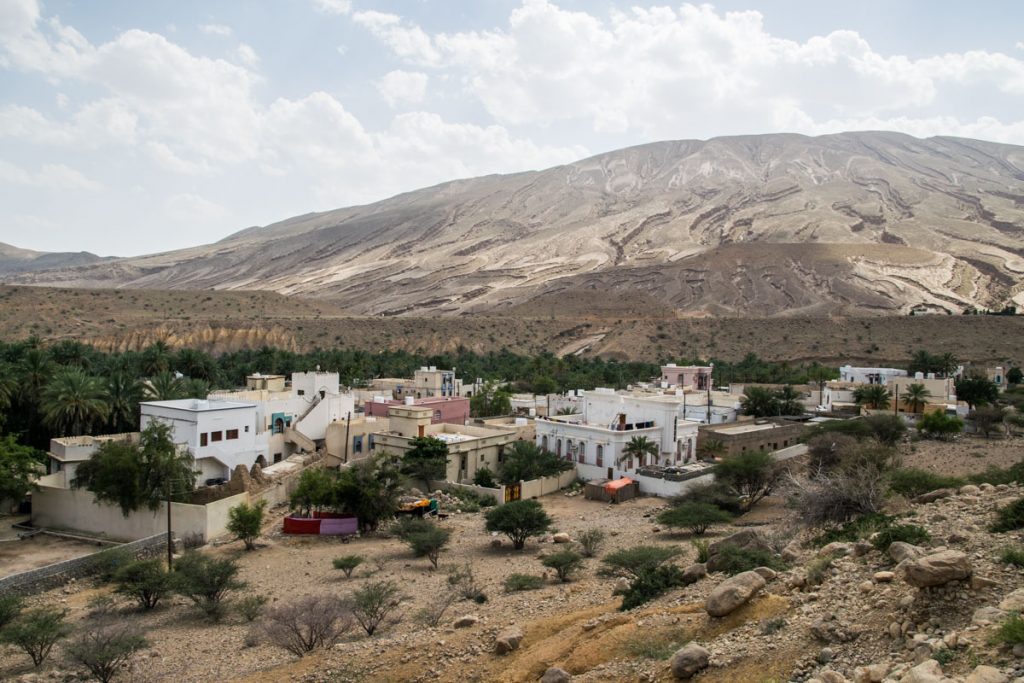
(301, 392)
(600, 455)
(437, 416)
(544, 442)
(369, 447)
(202, 439)
(277, 457)
(558, 447)
(216, 436)
(231, 434)
(246, 429)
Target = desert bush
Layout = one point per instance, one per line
(101, 606)
(1000, 475)
(522, 582)
(465, 584)
(485, 478)
(1009, 517)
(373, 603)
(856, 486)
(632, 562)
(307, 623)
(347, 563)
(817, 569)
(651, 584)
(192, 540)
(206, 581)
(751, 475)
(428, 541)
(701, 546)
(887, 429)
(697, 517)
(10, 608)
(854, 530)
(437, 605)
(912, 482)
(564, 562)
(36, 631)
(518, 520)
(105, 649)
(590, 541)
(732, 559)
(471, 501)
(937, 425)
(1011, 631)
(905, 533)
(106, 563)
(145, 581)
(1013, 555)
(245, 522)
(251, 606)
(714, 493)
(657, 645)
(824, 452)
(774, 625)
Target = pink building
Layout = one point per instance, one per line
(447, 409)
(696, 377)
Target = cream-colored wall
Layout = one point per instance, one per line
(335, 439)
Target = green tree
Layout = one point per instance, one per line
(206, 581)
(245, 522)
(36, 631)
(938, 425)
(315, 491)
(887, 429)
(565, 563)
(518, 520)
(987, 419)
(790, 401)
(105, 649)
(922, 361)
(369, 489)
(124, 393)
(759, 402)
(74, 402)
(525, 461)
(491, 400)
(697, 517)
(427, 459)
(164, 386)
(135, 475)
(146, 581)
(427, 540)
(873, 396)
(1014, 376)
(372, 604)
(646, 570)
(915, 397)
(156, 359)
(485, 478)
(19, 467)
(751, 475)
(976, 391)
(709, 449)
(946, 364)
(637, 448)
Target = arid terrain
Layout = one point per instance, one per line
(789, 631)
(852, 224)
(610, 327)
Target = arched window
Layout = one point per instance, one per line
(558, 447)
(544, 442)
(600, 455)
(582, 455)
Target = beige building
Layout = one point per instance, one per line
(469, 447)
(353, 440)
(68, 452)
(942, 392)
(258, 382)
(756, 435)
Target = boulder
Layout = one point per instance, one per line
(694, 573)
(884, 577)
(927, 671)
(466, 621)
(828, 629)
(933, 496)
(836, 548)
(689, 660)
(621, 585)
(969, 490)
(980, 583)
(509, 640)
(733, 593)
(984, 673)
(767, 573)
(937, 569)
(555, 675)
(900, 551)
(983, 616)
(1014, 602)
(748, 539)
(791, 553)
(873, 673)
(561, 537)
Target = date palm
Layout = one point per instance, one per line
(164, 386)
(638, 447)
(873, 396)
(74, 402)
(124, 394)
(916, 397)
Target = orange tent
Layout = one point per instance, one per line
(613, 486)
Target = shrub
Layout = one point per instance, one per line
(696, 517)
(818, 568)
(522, 582)
(590, 541)
(10, 608)
(770, 626)
(650, 584)
(632, 562)
(714, 493)
(107, 562)
(1009, 517)
(996, 475)
(105, 649)
(854, 530)
(701, 546)
(905, 533)
(751, 475)
(657, 646)
(372, 604)
(432, 614)
(307, 623)
(251, 606)
(564, 562)
(471, 501)
(145, 581)
(825, 450)
(937, 425)
(245, 522)
(36, 631)
(101, 606)
(518, 520)
(856, 486)
(206, 581)
(485, 478)
(912, 482)
(1011, 631)
(428, 541)
(347, 563)
(464, 583)
(887, 429)
(1013, 555)
(732, 559)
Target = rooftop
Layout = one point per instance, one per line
(746, 428)
(197, 405)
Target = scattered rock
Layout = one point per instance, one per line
(561, 537)
(874, 673)
(687, 661)
(694, 573)
(969, 490)
(507, 641)
(767, 573)
(937, 569)
(828, 629)
(884, 577)
(980, 583)
(986, 674)
(466, 621)
(1014, 602)
(900, 551)
(933, 496)
(836, 548)
(927, 671)
(555, 675)
(748, 539)
(733, 593)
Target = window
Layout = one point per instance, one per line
(246, 429)
(277, 457)
(600, 455)
(301, 392)
(231, 434)
(202, 439)
(544, 442)
(357, 444)
(370, 446)
(216, 436)
(437, 416)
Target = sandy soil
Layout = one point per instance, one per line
(966, 455)
(39, 551)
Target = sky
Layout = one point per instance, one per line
(132, 127)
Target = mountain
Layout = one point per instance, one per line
(16, 260)
(769, 225)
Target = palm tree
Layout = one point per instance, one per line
(915, 397)
(873, 396)
(567, 411)
(156, 359)
(638, 447)
(194, 363)
(36, 370)
(759, 402)
(164, 386)
(947, 364)
(711, 449)
(819, 374)
(789, 401)
(194, 388)
(74, 402)
(124, 394)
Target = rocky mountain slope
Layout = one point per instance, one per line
(16, 260)
(759, 225)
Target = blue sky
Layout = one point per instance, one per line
(131, 127)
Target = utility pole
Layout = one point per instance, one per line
(348, 426)
(710, 375)
(896, 402)
(170, 542)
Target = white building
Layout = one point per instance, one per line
(849, 373)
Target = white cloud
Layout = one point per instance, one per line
(192, 208)
(49, 176)
(398, 87)
(406, 40)
(246, 55)
(216, 30)
(333, 6)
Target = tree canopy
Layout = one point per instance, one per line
(525, 461)
(427, 459)
(19, 467)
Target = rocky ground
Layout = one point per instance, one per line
(864, 622)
